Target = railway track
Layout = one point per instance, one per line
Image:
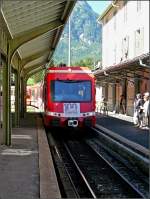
(121, 161)
(139, 184)
(88, 175)
(70, 177)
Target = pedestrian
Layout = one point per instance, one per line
(122, 104)
(138, 111)
(146, 110)
(103, 107)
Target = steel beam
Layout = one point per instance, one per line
(32, 73)
(33, 57)
(36, 66)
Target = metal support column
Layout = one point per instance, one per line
(7, 99)
(114, 97)
(17, 98)
(23, 94)
(25, 105)
(2, 139)
(22, 97)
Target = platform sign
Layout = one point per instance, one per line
(71, 109)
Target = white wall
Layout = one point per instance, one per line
(112, 38)
(98, 93)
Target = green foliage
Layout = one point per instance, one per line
(39, 76)
(85, 37)
(30, 82)
(88, 62)
(36, 78)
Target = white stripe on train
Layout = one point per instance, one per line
(69, 71)
(86, 114)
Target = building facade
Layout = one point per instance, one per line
(125, 53)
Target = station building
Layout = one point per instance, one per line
(125, 53)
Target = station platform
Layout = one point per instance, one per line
(26, 169)
(123, 125)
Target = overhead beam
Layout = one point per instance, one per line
(69, 4)
(51, 53)
(33, 5)
(33, 57)
(28, 70)
(34, 72)
(26, 36)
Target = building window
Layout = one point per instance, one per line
(139, 41)
(138, 5)
(125, 48)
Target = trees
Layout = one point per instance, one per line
(88, 62)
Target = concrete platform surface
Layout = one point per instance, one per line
(19, 174)
(123, 126)
(20, 169)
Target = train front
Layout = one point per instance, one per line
(70, 97)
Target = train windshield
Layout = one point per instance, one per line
(71, 91)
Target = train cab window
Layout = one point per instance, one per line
(71, 91)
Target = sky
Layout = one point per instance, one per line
(99, 6)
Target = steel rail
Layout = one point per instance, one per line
(55, 152)
(77, 195)
(79, 170)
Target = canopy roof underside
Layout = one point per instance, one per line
(23, 17)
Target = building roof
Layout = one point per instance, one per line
(105, 12)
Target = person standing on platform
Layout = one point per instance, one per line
(122, 105)
(138, 111)
(146, 110)
(103, 106)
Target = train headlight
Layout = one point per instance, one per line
(88, 114)
(55, 114)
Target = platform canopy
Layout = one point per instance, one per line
(129, 69)
(29, 33)
(35, 28)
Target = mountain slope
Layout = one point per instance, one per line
(85, 36)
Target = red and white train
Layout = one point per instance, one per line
(69, 97)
